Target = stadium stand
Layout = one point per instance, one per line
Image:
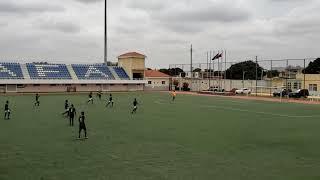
(121, 72)
(48, 71)
(58, 77)
(10, 71)
(92, 72)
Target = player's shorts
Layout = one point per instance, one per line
(90, 99)
(7, 111)
(82, 126)
(135, 107)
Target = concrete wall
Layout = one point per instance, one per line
(156, 84)
(203, 84)
(130, 64)
(310, 79)
(80, 88)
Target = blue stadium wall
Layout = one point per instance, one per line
(44, 77)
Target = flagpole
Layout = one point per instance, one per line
(219, 70)
(213, 65)
(225, 68)
(210, 70)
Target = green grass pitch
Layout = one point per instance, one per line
(193, 138)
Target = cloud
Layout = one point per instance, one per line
(60, 26)
(89, 1)
(9, 7)
(72, 31)
(186, 17)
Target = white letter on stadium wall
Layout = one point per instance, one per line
(93, 70)
(42, 73)
(6, 70)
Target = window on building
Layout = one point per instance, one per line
(289, 85)
(295, 85)
(299, 85)
(149, 82)
(313, 87)
(163, 82)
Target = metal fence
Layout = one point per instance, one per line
(291, 76)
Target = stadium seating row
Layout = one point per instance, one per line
(92, 71)
(60, 71)
(121, 72)
(10, 71)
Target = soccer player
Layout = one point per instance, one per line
(72, 113)
(37, 103)
(82, 125)
(110, 101)
(99, 95)
(6, 111)
(66, 108)
(173, 94)
(135, 107)
(90, 98)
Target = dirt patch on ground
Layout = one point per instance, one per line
(257, 98)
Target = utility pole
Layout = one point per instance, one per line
(225, 68)
(256, 75)
(191, 69)
(105, 33)
(210, 73)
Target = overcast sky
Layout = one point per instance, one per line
(71, 31)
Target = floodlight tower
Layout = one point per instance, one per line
(105, 33)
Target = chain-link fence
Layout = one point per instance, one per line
(265, 78)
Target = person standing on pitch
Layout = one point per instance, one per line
(7, 111)
(90, 98)
(37, 103)
(66, 108)
(82, 125)
(72, 113)
(173, 94)
(110, 101)
(99, 95)
(135, 107)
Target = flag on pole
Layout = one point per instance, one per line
(219, 55)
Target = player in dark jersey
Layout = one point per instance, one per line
(82, 125)
(7, 111)
(37, 103)
(66, 108)
(99, 94)
(135, 107)
(90, 98)
(72, 114)
(110, 101)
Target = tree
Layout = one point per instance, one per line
(246, 68)
(185, 86)
(176, 72)
(272, 74)
(165, 71)
(176, 83)
(173, 71)
(197, 70)
(313, 67)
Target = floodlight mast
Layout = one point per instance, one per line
(105, 33)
